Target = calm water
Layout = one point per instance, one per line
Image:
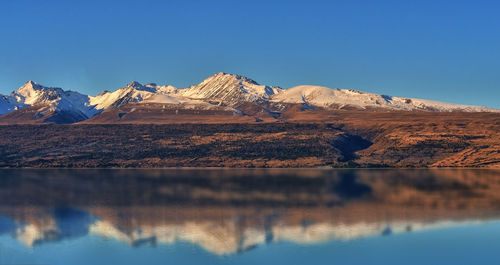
(306, 216)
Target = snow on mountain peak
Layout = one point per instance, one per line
(29, 87)
(138, 86)
(32, 93)
(51, 98)
(230, 89)
(31, 83)
(233, 76)
(104, 92)
(135, 84)
(325, 97)
(168, 89)
(132, 92)
(224, 89)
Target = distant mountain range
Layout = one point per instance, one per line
(221, 96)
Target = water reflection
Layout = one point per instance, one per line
(231, 211)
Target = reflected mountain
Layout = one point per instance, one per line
(230, 211)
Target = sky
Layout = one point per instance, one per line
(441, 50)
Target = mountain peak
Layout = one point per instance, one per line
(230, 89)
(53, 99)
(222, 74)
(31, 85)
(134, 84)
(138, 86)
(104, 92)
(32, 89)
(222, 89)
(225, 77)
(28, 91)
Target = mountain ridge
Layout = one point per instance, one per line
(236, 92)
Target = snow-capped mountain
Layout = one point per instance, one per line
(229, 89)
(168, 89)
(334, 98)
(133, 92)
(234, 93)
(219, 89)
(32, 94)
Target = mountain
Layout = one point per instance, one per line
(33, 102)
(133, 92)
(32, 93)
(217, 98)
(229, 89)
(334, 98)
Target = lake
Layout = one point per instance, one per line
(249, 216)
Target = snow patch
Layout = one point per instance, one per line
(337, 98)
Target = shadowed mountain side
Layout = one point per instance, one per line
(42, 114)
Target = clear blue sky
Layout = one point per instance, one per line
(443, 50)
